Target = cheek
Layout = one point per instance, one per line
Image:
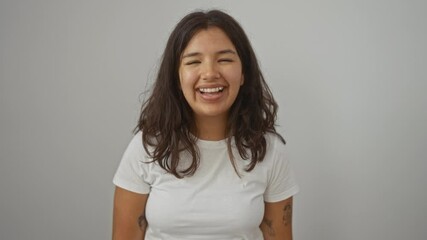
(235, 78)
(187, 82)
(234, 74)
(186, 78)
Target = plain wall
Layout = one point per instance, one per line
(349, 76)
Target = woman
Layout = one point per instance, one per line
(206, 161)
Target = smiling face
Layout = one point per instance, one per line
(210, 74)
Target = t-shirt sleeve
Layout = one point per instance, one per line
(132, 169)
(281, 179)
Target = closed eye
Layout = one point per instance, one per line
(192, 62)
(225, 60)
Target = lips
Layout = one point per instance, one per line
(211, 94)
(211, 90)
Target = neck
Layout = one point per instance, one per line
(211, 128)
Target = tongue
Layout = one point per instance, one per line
(211, 95)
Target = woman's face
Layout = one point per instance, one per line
(210, 74)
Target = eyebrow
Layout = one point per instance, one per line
(192, 54)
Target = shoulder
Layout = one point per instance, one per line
(276, 155)
(137, 138)
(281, 181)
(274, 142)
(136, 149)
(135, 145)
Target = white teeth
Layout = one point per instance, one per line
(211, 90)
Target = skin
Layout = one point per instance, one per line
(129, 215)
(277, 222)
(210, 60)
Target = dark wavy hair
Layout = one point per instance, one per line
(167, 121)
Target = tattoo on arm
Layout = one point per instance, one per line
(269, 225)
(287, 214)
(142, 222)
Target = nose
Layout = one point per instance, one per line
(210, 71)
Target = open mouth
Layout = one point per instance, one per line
(211, 90)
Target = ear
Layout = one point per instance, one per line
(242, 80)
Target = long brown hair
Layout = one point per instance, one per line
(166, 119)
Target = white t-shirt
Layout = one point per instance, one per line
(215, 203)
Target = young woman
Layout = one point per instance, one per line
(206, 161)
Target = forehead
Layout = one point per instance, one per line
(210, 39)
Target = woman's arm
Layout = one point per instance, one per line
(129, 215)
(277, 222)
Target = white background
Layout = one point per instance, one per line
(349, 76)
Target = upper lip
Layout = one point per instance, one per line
(210, 86)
